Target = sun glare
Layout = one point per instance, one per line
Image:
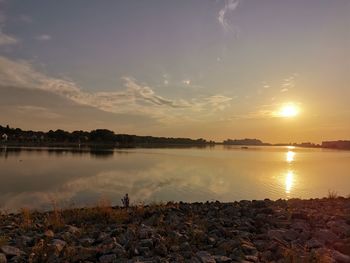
(289, 111)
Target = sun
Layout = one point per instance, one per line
(289, 111)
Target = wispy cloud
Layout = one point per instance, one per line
(289, 82)
(223, 16)
(31, 110)
(131, 98)
(7, 39)
(43, 37)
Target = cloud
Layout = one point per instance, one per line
(289, 82)
(230, 6)
(31, 110)
(43, 37)
(132, 98)
(7, 39)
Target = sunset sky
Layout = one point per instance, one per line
(187, 68)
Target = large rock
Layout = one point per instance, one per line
(339, 257)
(12, 251)
(339, 227)
(325, 236)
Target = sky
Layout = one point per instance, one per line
(187, 68)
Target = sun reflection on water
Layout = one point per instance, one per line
(289, 181)
(290, 156)
(289, 175)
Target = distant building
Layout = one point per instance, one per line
(336, 144)
(4, 137)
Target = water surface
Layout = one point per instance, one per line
(36, 177)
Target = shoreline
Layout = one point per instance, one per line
(295, 230)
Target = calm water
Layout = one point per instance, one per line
(35, 177)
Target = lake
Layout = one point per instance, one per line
(38, 177)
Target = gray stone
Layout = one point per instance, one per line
(222, 259)
(205, 257)
(12, 251)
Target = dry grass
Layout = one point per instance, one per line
(54, 219)
(26, 218)
(3, 240)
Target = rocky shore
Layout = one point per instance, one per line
(316, 230)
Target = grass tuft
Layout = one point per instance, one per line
(332, 194)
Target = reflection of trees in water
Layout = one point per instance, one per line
(99, 152)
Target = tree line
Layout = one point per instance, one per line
(98, 136)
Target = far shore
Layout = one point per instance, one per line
(110, 146)
(295, 230)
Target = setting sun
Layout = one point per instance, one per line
(289, 111)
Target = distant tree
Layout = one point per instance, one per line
(102, 135)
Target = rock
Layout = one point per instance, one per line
(79, 253)
(86, 242)
(49, 233)
(175, 248)
(185, 246)
(252, 258)
(300, 225)
(339, 257)
(249, 249)
(325, 236)
(108, 258)
(313, 243)
(276, 234)
(342, 247)
(58, 244)
(205, 257)
(290, 235)
(3, 258)
(25, 241)
(339, 227)
(161, 250)
(146, 243)
(222, 259)
(145, 251)
(73, 230)
(12, 251)
(300, 215)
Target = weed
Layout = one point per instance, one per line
(332, 194)
(26, 218)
